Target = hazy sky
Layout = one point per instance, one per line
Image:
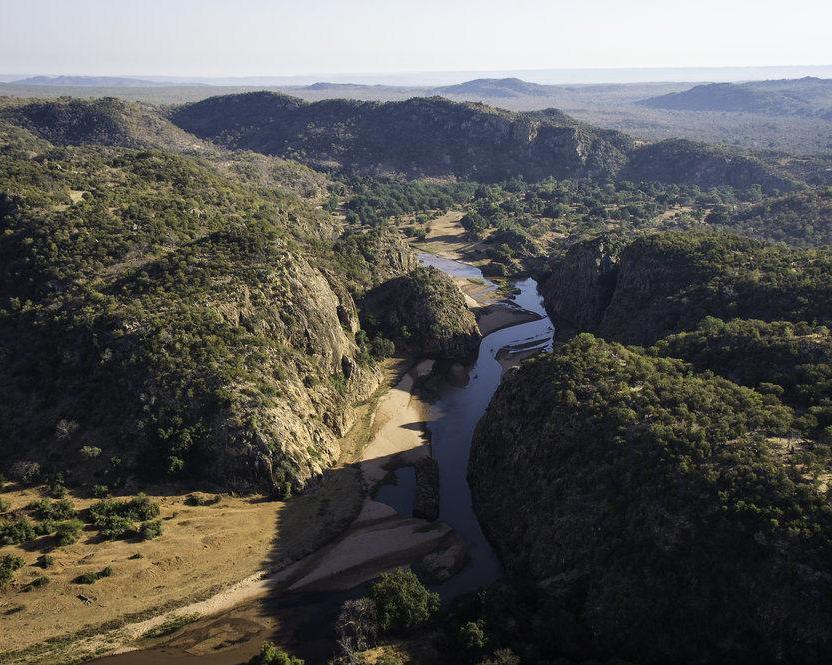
(278, 37)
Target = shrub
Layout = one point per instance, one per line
(272, 655)
(90, 452)
(16, 531)
(44, 509)
(8, 564)
(86, 578)
(37, 583)
(150, 530)
(114, 527)
(199, 500)
(502, 657)
(92, 577)
(100, 491)
(68, 532)
(4, 506)
(402, 601)
(46, 561)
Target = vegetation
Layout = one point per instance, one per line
(402, 602)
(439, 138)
(9, 563)
(801, 219)
(93, 577)
(170, 626)
(272, 655)
(657, 500)
(424, 314)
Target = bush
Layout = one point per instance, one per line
(116, 519)
(37, 583)
(68, 532)
(272, 655)
(389, 660)
(150, 530)
(90, 452)
(199, 500)
(16, 531)
(46, 561)
(114, 527)
(8, 564)
(402, 601)
(92, 577)
(100, 491)
(44, 509)
(502, 657)
(4, 506)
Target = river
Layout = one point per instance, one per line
(451, 423)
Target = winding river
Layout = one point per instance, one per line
(451, 423)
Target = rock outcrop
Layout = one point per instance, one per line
(668, 282)
(424, 314)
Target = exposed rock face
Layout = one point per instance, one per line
(582, 282)
(174, 319)
(637, 497)
(668, 282)
(425, 314)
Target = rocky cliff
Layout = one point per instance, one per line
(425, 314)
(668, 282)
(657, 509)
(182, 323)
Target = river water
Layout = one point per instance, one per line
(451, 423)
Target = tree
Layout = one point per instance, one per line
(402, 601)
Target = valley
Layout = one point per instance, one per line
(421, 380)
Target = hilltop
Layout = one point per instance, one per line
(439, 138)
(809, 97)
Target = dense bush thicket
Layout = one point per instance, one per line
(801, 219)
(664, 510)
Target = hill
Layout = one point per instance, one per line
(187, 325)
(495, 89)
(656, 509)
(668, 282)
(439, 138)
(89, 81)
(809, 97)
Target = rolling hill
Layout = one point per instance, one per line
(439, 138)
(808, 97)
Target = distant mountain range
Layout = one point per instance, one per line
(807, 97)
(91, 82)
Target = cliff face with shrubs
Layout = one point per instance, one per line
(668, 282)
(425, 315)
(185, 324)
(661, 509)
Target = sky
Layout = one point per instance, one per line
(300, 37)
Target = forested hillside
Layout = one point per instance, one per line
(437, 137)
(664, 512)
(184, 323)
